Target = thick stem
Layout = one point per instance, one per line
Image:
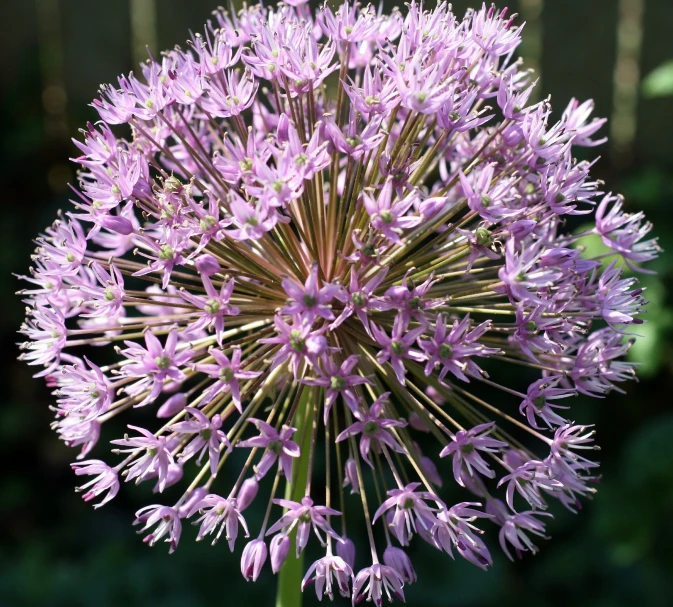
(289, 592)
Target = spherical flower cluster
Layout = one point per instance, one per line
(317, 236)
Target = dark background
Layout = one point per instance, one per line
(57, 551)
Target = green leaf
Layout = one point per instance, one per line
(659, 82)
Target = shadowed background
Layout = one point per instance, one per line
(56, 551)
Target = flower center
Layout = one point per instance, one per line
(226, 374)
(387, 216)
(371, 428)
(531, 326)
(297, 342)
(337, 382)
(212, 306)
(445, 350)
(166, 252)
(397, 347)
(359, 299)
(467, 448)
(483, 237)
(163, 362)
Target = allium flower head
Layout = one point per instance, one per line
(320, 233)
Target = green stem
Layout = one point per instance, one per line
(289, 592)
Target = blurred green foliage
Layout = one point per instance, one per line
(56, 551)
(659, 82)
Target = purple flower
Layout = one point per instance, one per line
(247, 493)
(106, 479)
(351, 475)
(487, 199)
(216, 511)
(453, 350)
(389, 216)
(251, 222)
(374, 429)
(623, 232)
(156, 459)
(153, 365)
(106, 300)
(536, 403)
(618, 303)
(304, 516)
(311, 301)
(337, 380)
(575, 116)
(164, 257)
(214, 305)
(360, 299)
(376, 94)
(277, 446)
(371, 583)
(86, 392)
(228, 374)
(167, 522)
(522, 277)
(527, 480)
(208, 438)
(411, 511)
(411, 300)
(514, 530)
(465, 448)
(567, 440)
(454, 528)
(397, 346)
(299, 342)
(324, 572)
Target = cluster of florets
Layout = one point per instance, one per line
(320, 231)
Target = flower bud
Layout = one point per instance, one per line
(346, 551)
(247, 493)
(189, 506)
(351, 476)
(435, 395)
(253, 559)
(173, 405)
(417, 423)
(398, 560)
(280, 548)
(117, 224)
(283, 129)
(430, 470)
(316, 345)
(207, 265)
(173, 475)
